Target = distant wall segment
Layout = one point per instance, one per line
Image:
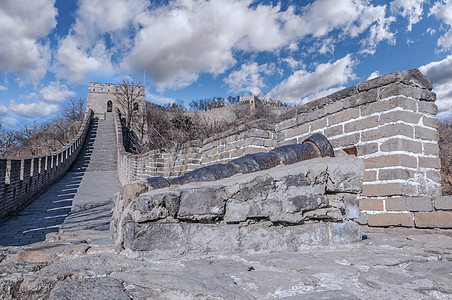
(24, 178)
(389, 122)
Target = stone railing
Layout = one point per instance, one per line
(24, 178)
(389, 122)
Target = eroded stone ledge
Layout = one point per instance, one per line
(279, 209)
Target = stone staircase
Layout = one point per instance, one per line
(91, 207)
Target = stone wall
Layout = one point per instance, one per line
(276, 210)
(22, 179)
(388, 121)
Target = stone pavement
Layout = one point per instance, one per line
(81, 200)
(392, 264)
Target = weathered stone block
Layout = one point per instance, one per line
(389, 189)
(444, 202)
(432, 122)
(371, 204)
(367, 148)
(429, 162)
(381, 106)
(318, 124)
(347, 140)
(343, 116)
(344, 175)
(400, 144)
(344, 232)
(389, 174)
(400, 115)
(334, 130)
(409, 204)
(386, 131)
(286, 124)
(361, 124)
(202, 203)
(425, 134)
(370, 176)
(391, 160)
(431, 148)
(297, 131)
(394, 219)
(427, 107)
(436, 219)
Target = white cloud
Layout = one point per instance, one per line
(374, 74)
(440, 72)
(3, 88)
(23, 25)
(443, 10)
(113, 17)
(84, 52)
(249, 78)
(9, 122)
(353, 17)
(77, 65)
(33, 110)
(302, 83)
(411, 9)
(179, 41)
(318, 94)
(56, 92)
(158, 98)
(3, 110)
(293, 63)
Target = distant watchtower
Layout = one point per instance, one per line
(102, 99)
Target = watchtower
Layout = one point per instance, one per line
(102, 98)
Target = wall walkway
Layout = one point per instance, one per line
(81, 200)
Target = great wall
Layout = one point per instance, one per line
(235, 194)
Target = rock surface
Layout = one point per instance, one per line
(395, 264)
(277, 201)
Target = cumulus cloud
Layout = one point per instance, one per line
(411, 9)
(33, 110)
(374, 74)
(443, 10)
(115, 17)
(3, 88)
(56, 92)
(440, 72)
(9, 122)
(84, 51)
(302, 83)
(249, 78)
(179, 41)
(3, 110)
(23, 26)
(158, 98)
(76, 65)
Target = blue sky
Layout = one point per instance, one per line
(293, 51)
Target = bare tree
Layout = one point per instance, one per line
(7, 140)
(129, 95)
(73, 109)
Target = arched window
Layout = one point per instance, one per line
(109, 106)
(135, 106)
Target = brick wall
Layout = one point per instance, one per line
(22, 179)
(388, 121)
